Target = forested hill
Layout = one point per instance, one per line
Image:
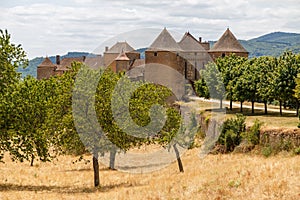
(272, 44)
(31, 69)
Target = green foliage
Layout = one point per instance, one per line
(11, 56)
(201, 88)
(267, 151)
(286, 73)
(297, 151)
(211, 85)
(231, 132)
(253, 134)
(230, 68)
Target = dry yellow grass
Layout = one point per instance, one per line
(232, 176)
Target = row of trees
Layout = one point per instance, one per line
(263, 79)
(40, 119)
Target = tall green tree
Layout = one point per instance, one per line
(214, 82)
(11, 57)
(266, 67)
(229, 67)
(286, 73)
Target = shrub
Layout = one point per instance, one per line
(267, 151)
(297, 151)
(231, 132)
(253, 134)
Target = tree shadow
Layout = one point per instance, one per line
(62, 189)
(259, 112)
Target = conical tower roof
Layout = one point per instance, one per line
(164, 42)
(228, 43)
(122, 56)
(119, 47)
(189, 43)
(46, 63)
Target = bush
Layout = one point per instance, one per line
(231, 132)
(297, 151)
(253, 134)
(267, 151)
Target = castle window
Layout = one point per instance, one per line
(223, 55)
(155, 53)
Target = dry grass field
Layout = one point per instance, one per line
(231, 176)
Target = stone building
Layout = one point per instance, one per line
(47, 69)
(195, 52)
(120, 47)
(227, 45)
(184, 58)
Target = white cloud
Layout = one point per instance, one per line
(55, 27)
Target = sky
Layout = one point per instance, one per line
(59, 26)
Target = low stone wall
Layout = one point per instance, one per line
(283, 138)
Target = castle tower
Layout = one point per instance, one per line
(121, 63)
(227, 45)
(111, 54)
(46, 69)
(164, 65)
(196, 55)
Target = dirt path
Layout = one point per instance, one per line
(238, 105)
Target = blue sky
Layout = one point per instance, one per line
(56, 27)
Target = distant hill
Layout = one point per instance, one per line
(31, 69)
(272, 44)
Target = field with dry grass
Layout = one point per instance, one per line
(231, 176)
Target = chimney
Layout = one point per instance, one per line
(200, 39)
(106, 48)
(58, 59)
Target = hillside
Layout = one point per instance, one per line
(272, 44)
(31, 69)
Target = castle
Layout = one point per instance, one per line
(186, 57)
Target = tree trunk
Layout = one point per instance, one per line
(180, 166)
(221, 103)
(252, 106)
(32, 159)
(266, 107)
(297, 109)
(112, 158)
(230, 105)
(96, 169)
(241, 107)
(280, 107)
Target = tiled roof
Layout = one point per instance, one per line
(189, 43)
(122, 56)
(164, 42)
(228, 43)
(46, 63)
(65, 63)
(119, 47)
(94, 62)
